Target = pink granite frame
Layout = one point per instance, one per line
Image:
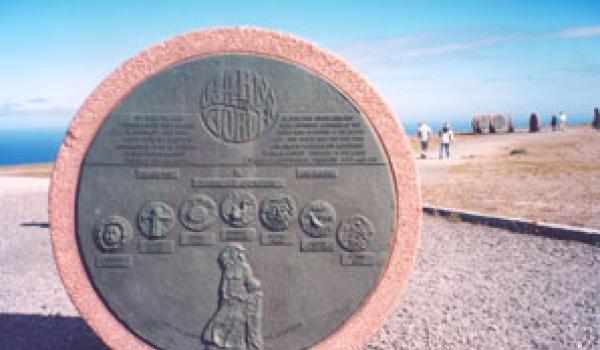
(357, 330)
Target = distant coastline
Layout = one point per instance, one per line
(40, 145)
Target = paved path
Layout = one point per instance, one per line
(473, 287)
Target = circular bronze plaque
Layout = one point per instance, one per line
(234, 188)
(261, 203)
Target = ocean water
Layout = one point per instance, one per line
(18, 146)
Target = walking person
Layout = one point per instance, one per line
(563, 120)
(446, 136)
(424, 133)
(554, 122)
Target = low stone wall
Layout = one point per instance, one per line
(563, 232)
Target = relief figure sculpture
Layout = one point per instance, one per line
(236, 325)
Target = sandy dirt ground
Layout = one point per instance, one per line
(28, 170)
(547, 176)
(473, 287)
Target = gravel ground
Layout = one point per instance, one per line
(35, 312)
(476, 287)
(473, 287)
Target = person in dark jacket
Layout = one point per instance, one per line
(446, 136)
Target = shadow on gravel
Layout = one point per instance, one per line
(35, 224)
(40, 332)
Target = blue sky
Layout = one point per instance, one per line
(430, 60)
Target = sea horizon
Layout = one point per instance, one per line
(41, 144)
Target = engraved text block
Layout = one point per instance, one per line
(114, 261)
(316, 246)
(276, 239)
(197, 239)
(358, 259)
(238, 235)
(156, 247)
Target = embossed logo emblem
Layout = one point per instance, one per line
(355, 233)
(238, 208)
(238, 106)
(198, 212)
(112, 233)
(277, 211)
(155, 219)
(317, 219)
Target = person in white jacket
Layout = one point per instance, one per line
(563, 120)
(424, 133)
(446, 136)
